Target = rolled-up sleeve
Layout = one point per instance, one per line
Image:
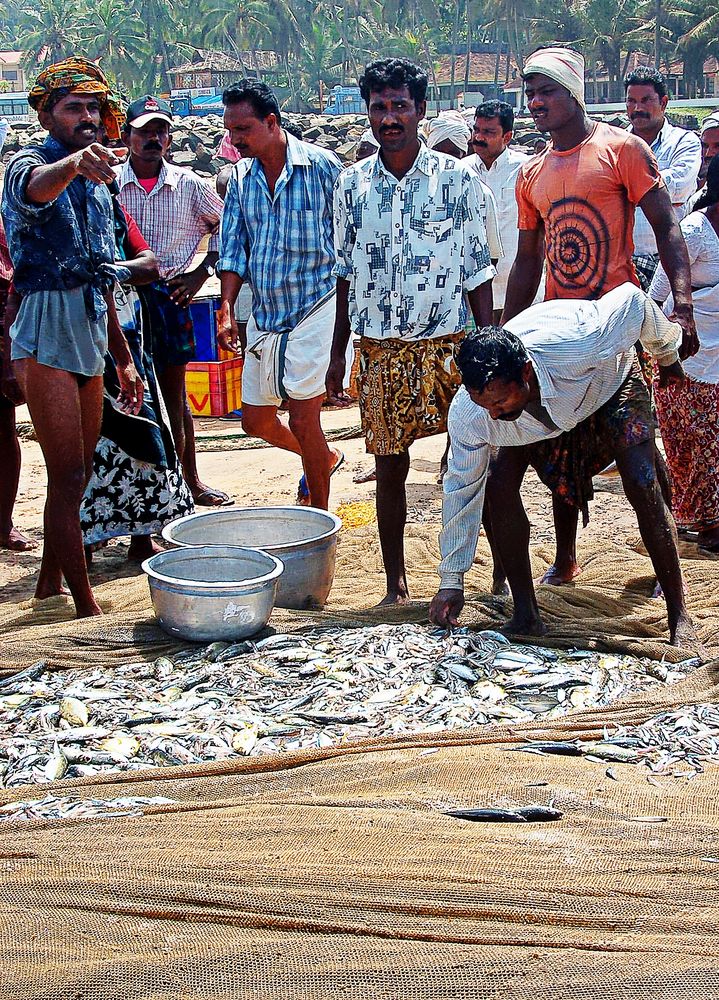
(344, 233)
(234, 245)
(17, 177)
(680, 176)
(464, 486)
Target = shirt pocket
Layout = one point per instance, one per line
(299, 231)
(437, 231)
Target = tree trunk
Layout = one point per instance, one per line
(468, 56)
(497, 58)
(657, 33)
(455, 35)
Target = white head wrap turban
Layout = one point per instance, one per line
(561, 65)
(449, 125)
(368, 137)
(712, 121)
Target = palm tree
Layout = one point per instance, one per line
(49, 30)
(115, 41)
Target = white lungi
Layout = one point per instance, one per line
(290, 365)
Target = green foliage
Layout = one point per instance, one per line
(323, 42)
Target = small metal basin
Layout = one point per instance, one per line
(304, 538)
(213, 592)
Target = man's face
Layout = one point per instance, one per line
(74, 121)
(489, 140)
(501, 399)
(249, 134)
(447, 147)
(710, 146)
(394, 118)
(150, 143)
(645, 108)
(549, 103)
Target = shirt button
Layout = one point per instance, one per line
(396, 225)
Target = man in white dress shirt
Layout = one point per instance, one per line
(498, 165)
(552, 367)
(678, 153)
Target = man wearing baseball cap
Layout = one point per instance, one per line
(174, 209)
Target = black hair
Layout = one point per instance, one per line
(394, 73)
(646, 76)
(710, 194)
(497, 109)
(491, 353)
(255, 93)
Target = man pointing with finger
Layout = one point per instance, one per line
(58, 218)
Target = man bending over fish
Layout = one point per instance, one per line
(550, 368)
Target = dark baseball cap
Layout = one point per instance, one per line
(146, 108)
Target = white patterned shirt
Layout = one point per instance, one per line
(174, 217)
(581, 352)
(501, 179)
(679, 155)
(410, 248)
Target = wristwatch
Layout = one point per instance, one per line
(210, 268)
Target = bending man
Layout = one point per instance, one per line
(555, 366)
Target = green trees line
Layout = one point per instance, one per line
(320, 43)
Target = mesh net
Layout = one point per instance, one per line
(335, 872)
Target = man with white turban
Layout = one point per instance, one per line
(576, 206)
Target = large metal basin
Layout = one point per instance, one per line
(304, 538)
(213, 592)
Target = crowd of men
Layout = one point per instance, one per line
(437, 228)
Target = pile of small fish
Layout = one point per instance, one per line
(312, 689)
(675, 744)
(74, 807)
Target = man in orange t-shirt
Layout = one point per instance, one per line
(576, 207)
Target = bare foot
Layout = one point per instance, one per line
(524, 626)
(142, 547)
(368, 476)
(499, 587)
(392, 598)
(47, 589)
(683, 635)
(555, 577)
(16, 541)
(91, 610)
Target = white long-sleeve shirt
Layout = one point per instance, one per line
(679, 155)
(581, 351)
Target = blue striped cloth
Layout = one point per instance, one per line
(282, 245)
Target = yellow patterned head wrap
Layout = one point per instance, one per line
(77, 75)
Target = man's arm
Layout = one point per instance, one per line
(334, 382)
(132, 388)
(228, 333)
(526, 273)
(680, 176)
(482, 304)
(208, 210)
(462, 504)
(232, 265)
(95, 163)
(657, 207)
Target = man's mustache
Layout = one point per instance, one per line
(86, 127)
(639, 114)
(481, 143)
(153, 145)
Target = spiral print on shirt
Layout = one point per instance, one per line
(578, 247)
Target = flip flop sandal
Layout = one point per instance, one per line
(225, 501)
(303, 492)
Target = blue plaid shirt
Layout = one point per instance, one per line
(282, 245)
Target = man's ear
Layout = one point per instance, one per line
(45, 119)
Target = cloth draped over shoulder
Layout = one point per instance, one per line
(562, 65)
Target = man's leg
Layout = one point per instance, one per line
(67, 423)
(566, 520)
(510, 529)
(10, 537)
(392, 471)
(636, 466)
(318, 459)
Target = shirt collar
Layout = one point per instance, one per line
(169, 174)
(426, 161)
(661, 135)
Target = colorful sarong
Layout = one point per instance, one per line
(405, 389)
(689, 422)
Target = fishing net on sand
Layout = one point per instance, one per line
(335, 871)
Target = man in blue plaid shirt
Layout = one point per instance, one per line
(277, 233)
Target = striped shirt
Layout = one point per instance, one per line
(581, 352)
(282, 243)
(174, 217)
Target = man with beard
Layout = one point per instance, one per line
(59, 223)
(556, 366)
(677, 151)
(174, 210)
(410, 248)
(576, 209)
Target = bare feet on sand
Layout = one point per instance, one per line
(393, 598)
(683, 635)
(500, 587)
(16, 541)
(142, 547)
(556, 576)
(520, 625)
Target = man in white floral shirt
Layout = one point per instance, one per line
(411, 251)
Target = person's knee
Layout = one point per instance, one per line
(304, 424)
(254, 424)
(69, 480)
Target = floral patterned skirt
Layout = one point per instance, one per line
(689, 422)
